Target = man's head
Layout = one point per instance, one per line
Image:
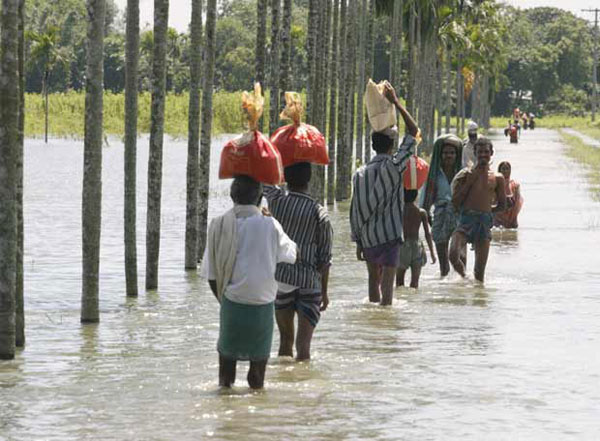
(410, 195)
(449, 153)
(298, 175)
(484, 150)
(382, 142)
(505, 168)
(245, 191)
(472, 128)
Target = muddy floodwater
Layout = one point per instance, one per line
(516, 359)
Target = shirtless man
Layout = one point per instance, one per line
(474, 190)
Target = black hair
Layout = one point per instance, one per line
(410, 195)
(504, 163)
(245, 190)
(381, 143)
(483, 141)
(298, 175)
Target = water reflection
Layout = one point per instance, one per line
(450, 360)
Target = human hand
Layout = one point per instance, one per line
(324, 301)
(433, 258)
(265, 212)
(359, 253)
(390, 93)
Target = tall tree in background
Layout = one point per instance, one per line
(261, 47)
(19, 287)
(362, 66)
(285, 80)
(370, 60)
(342, 103)
(9, 139)
(191, 219)
(132, 56)
(159, 70)
(333, 87)
(207, 115)
(274, 64)
(92, 161)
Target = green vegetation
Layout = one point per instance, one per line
(588, 156)
(67, 112)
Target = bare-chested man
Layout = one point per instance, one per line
(474, 190)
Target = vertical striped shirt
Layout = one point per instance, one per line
(307, 224)
(378, 197)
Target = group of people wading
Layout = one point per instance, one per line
(275, 261)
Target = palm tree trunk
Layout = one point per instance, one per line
(342, 104)
(275, 58)
(261, 47)
(19, 287)
(396, 44)
(362, 47)
(320, 91)
(153, 214)
(351, 90)
(410, 98)
(439, 90)
(286, 50)
(132, 56)
(459, 92)
(334, 67)
(311, 40)
(448, 107)
(46, 110)
(370, 61)
(191, 218)
(207, 114)
(91, 215)
(9, 139)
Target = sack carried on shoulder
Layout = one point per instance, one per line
(252, 154)
(382, 113)
(416, 172)
(299, 142)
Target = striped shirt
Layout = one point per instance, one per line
(307, 224)
(378, 197)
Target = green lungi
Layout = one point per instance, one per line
(245, 331)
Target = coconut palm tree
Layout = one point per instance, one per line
(9, 139)
(362, 69)
(274, 63)
(92, 161)
(46, 52)
(191, 220)
(261, 47)
(342, 103)
(19, 287)
(207, 113)
(333, 87)
(370, 61)
(286, 50)
(132, 56)
(159, 73)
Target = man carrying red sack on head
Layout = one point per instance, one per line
(303, 285)
(376, 207)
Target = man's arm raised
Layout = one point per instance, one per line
(411, 125)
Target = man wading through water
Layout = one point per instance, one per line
(474, 190)
(376, 207)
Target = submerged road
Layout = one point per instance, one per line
(516, 359)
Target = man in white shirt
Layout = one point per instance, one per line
(242, 252)
(468, 152)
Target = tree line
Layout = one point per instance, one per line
(448, 59)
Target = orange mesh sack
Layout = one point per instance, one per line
(416, 172)
(298, 142)
(252, 154)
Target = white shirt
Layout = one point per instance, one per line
(468, 153)
(261, 245)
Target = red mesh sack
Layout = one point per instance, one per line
(252, 154)
(416, 172)
(299, 142)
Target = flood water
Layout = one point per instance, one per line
(516, 359)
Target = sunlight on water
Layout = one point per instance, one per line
(516, 359)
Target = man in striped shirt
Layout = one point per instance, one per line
(377, 204)
(303, 285)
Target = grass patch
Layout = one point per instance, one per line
(589, 157)
(67, 112)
